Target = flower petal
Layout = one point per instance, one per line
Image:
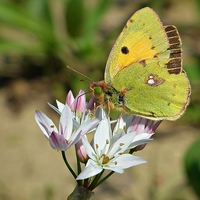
(119, 125)
(70, 98)
(59, 111)
(66, 124)
(121, 145)
(90, 170)
(120, 133)
(90, 105)
(79, 102)
(142, 138)
(45, 124)
(89, 150)
(127, 160)
(58, 142)
(81, 152)
(60, 106)
(102, 137)
(88, 126)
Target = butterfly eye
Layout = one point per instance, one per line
(97, 90)
(124, 50)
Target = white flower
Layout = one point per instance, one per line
(108, 150)
(67, 134)
(78, 106)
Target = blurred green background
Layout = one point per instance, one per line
(38, 39)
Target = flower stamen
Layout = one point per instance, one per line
(106, 159)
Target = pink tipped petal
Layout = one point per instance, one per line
(133, 123)
(70, 98)
(58, 142)
(81, 152)
(141, 125)
(45, 124)
(149, 124)
(90, 105)
(155, 126)
(79, 102)
(66, 124)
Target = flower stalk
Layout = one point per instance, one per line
(80, 193)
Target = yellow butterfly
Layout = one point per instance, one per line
(143, 74)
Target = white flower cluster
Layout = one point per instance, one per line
(110, 147)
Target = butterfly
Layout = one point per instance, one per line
(143, 74)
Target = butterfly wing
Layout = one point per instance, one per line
(152, 92)
(142, 38)
(145, 66)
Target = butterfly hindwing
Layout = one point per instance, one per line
(152, 92)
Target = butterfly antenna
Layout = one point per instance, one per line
(79, 73)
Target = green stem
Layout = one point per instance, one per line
(94, 182)
(86, 182)
(78, 163)
(78, 168)
(131, 151)
(103, 179)
(68, 166)
(80, 193)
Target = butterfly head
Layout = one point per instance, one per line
(98, 90)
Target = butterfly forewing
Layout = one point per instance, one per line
(142, 38)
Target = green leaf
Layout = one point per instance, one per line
(192, 166)
(19, 18)
(75, 17)
(93, 17)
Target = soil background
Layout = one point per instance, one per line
(31, 169)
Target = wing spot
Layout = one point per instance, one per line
(154, 80)
(131, 21)
(125, 50)
(151, 80)
(143, 62)
(174, 85)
